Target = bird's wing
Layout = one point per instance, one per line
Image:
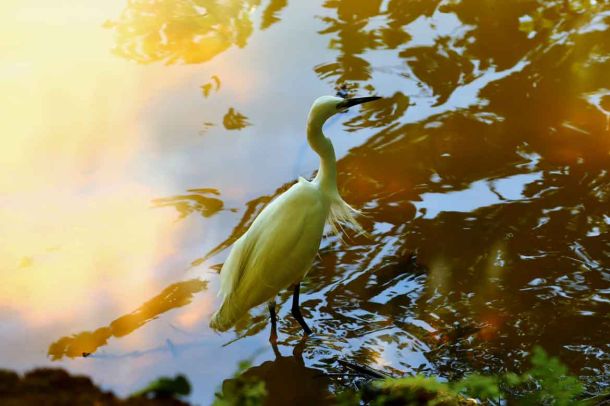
(232, 269)
(286, 234)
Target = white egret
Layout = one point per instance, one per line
(278, 249)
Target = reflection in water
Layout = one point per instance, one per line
(491, 279)
(382, 113)
(270, 15)
(199, 200)
(213, 84)
(288, 381)
(186, 31)
(190, 31)
(234, 120)
(205, 127)
(350, 26)
(495, 124)
(82, 344)
(601, 100)
(486, 259)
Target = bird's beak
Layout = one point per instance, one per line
(355, 101)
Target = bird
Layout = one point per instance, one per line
(278, 249)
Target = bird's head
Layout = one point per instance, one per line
(325, 107)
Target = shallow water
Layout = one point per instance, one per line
(141, 138)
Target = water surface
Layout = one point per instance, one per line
(141, 138)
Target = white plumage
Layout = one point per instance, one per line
(279, 247)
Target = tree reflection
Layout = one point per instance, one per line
(353, 39)
(186, 31)
(381, 113)
(199, 200)
(213, 84)
(270, 15)
(83, 344)
(234, 120)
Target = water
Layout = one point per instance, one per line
(140, 139)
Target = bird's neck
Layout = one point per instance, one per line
(327, 174)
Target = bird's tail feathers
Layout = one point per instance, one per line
(342, 213)
(226, 317)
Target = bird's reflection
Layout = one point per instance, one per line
(87, 342)
(288, 380)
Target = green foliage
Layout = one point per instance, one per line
(348, 398)
(166, 388)
(242, 390)
(551, 380)
(479, 386)
(547, 383)
(414, 390)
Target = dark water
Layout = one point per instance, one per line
(483, 178)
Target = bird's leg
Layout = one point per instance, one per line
(298, 349)
(296, 310)
(273, 334)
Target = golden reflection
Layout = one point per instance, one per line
(270, 15)
(185, 31)
(353, 39)
(85, 343)
(234, 120)
(213, 84)
(381, 113)
(201, 201)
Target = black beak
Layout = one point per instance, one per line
(355, 101)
